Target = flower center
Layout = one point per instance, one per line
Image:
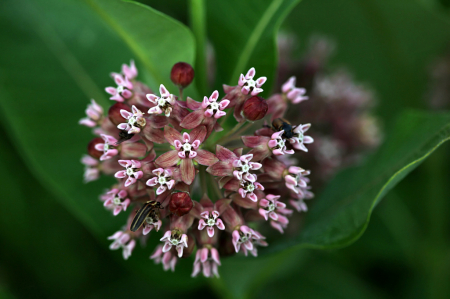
(299, 136)
(281, 143)
(214, 106)
(271, 207)
(117, 201)
(245, 168)
(250, 187)
(130, 171)
(250, 83)
(132, 120)
(106, 147)
(162, 180)
(211, 222)
(120, 89)
(174, 242)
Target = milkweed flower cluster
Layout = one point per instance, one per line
(177, 173)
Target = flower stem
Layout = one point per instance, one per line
(197, 20)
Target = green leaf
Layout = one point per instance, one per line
(342, 212)
(244, 37)
(59, 55)
(157, 40)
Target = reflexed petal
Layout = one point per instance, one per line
(168, 159)
(205, 158)
(193, 119)
(171, 135)
(225, 154)
(220, 168)
(187, 171)
(198, 133)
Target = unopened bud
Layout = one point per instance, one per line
(182, 74)
(180, 203)
(114, 113)
(255, 108)
(92, 151)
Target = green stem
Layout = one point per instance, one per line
(197, 16)
(230, 133)
(202, 172)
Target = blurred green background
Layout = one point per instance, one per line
(50, 249)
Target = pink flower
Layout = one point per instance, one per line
(186, 150)
(248, 186)
(123, 90)
(136, 120)
(205, 113)
(248, 238)
(296, 95)
(206, 260)
(278, 144)
(91, 170)
(107, 148)
(210, 219)
(131, 71)
(122, 240)
(296, 177)
(94, 114)
(249, 85)
(152, 221)
(271, 207)
(163, 179)
(163, 104)
(133, 171)
(299, 140)
(174, 238)
(233, 164)
(116, 200)
(168, 259)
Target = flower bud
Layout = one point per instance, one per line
(114, 113)
(182, 74)
(91, 148)
(255, 108)
(180, 203)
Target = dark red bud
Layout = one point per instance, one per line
(91, 148)
(255, 108)
(191, 245)
(180, 203)
(182, 74)
(114, 113)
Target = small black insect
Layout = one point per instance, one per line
(124, 136)
(147, 210)
(282, 124)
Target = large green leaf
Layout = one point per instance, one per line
(59, 55)
(157, 40)
(341, 213)
(244, 36)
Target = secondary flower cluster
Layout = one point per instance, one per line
(339, 107)
(157, 145)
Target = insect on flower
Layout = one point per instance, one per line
(148, 210)
(283, 124)
(124, 136)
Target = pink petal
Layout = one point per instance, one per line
(290, 84)
(187, 171)
(120, 174)
(168, 159)
(223, 104)
(210, 231)
(201, 224)
(250, 74)
(256, 91)
(186, 137)
(219, 114)
(192, 154)
(219, 224)
(241, 82)
(163, 91)
(161, 190)
(130, 181)
(214, 96)
(126, 114)
(152, 182)
(167, 247)
(260, 81)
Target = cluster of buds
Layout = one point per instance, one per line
(158, 146)
(340, 108)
